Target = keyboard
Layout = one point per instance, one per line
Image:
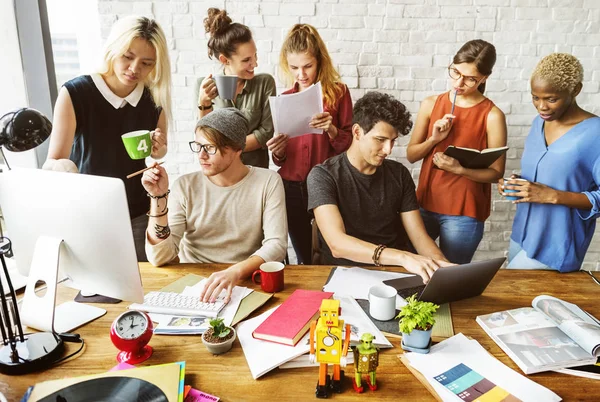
(172, 303)
(404, 293)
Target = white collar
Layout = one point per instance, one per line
(116, 101)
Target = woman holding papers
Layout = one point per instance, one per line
(304, 60)
(559, 199)
(232, 44)
(455, 201)
(131, 91)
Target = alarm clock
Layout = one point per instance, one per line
(130, 333)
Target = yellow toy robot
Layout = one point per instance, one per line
(329, 348)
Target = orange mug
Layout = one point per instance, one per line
(269, 276)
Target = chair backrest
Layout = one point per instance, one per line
(315, 244)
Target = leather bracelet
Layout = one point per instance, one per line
(202, 107)
(166, 211)
(377, 254)
(158, 197)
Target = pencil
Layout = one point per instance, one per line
(453, 102)
(129, 176)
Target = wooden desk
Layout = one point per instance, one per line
(228, 376)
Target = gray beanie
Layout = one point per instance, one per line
(228, 121)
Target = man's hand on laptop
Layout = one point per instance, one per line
(423, 266)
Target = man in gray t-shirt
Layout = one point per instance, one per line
(364, 205)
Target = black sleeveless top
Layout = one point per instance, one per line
(97, 146)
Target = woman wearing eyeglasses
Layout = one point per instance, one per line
(455, 201)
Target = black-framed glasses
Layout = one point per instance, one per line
(196, 147)
(469, 81)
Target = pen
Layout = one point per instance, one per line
(129, 176)
(453, 102)
(593, 277)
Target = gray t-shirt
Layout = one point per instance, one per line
(370, 205)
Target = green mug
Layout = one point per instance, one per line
(138, 143)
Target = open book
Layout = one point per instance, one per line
(473, 158)
(554, 334)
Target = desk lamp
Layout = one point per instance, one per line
(21, 130)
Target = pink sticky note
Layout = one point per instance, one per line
(199, 396)
(122, 366)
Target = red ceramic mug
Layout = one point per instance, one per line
(269, 276)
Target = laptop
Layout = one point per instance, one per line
(450, 284)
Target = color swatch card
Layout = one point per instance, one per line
(469, 385)
(460, 369)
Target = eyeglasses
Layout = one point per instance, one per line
(468, 80)
(196, 147)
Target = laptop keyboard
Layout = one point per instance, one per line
(407, 292)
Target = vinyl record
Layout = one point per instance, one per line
(113, 389)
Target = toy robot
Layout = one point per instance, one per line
(329, 347)
(366, 360)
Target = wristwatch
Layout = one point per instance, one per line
(202, 107)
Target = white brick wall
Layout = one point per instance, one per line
(400, 47)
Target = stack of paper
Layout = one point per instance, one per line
(461, 369)
(292, 113)
(264, 356)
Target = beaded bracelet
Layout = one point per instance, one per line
(377, 254)
(158, 197)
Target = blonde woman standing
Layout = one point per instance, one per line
(304, 60)
(131, 91)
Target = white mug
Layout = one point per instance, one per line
(382, 302)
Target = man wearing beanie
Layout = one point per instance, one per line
(225, 213)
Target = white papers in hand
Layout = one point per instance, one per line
(356, 282)
(291, 113)
(264, 356)
(458, 350)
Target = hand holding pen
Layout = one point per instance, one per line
(441, 128)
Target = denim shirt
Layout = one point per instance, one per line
(557, 235)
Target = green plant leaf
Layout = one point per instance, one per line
(416, 315)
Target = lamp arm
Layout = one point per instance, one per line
(15, 309)
(4, 158)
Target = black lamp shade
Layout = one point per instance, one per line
(23, 129)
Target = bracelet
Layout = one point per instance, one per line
(377, 254)
(158, 197)
(202, 107)
(166, 211)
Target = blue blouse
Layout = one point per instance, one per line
(557, 235)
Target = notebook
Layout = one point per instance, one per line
(450, 284)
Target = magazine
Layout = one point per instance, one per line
(551, 335)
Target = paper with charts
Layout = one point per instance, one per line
(293, 112)
(460, 369)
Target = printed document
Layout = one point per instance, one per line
(293, 112)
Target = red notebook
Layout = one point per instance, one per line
(292, 318)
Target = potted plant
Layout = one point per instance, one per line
(416, 322)
(218, 338)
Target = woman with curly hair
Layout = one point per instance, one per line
(231, 43)
(304, 60)
(560, 197)
(455, 201)
(365, 204)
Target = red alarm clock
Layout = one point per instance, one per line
(130, 333)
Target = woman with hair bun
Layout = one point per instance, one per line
(560, 197)
(455, 201)
(304, 60)
(131, 91)
(232, 45)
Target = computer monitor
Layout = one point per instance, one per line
(89, 213)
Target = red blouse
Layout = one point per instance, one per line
(306, 151)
